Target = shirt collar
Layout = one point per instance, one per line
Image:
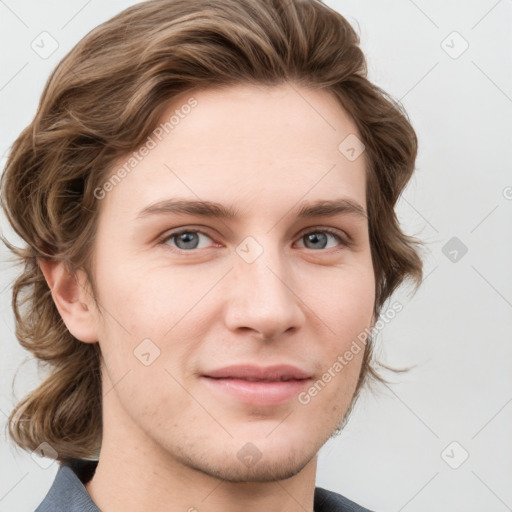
(68, 493)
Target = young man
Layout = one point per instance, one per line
(207, 194)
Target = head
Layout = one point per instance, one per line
(263, 108)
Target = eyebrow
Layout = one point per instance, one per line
(320, 208)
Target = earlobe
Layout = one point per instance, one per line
(72, 299)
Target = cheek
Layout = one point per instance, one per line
(350, 301)
(143, 300)
(149, 316)
(350, 312)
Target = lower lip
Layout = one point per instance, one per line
(258, 393)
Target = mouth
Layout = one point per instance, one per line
(257, 386)
(261, 393)
(282, 379)
(282, 372)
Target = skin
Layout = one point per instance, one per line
(170, 442)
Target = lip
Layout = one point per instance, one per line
(257, 393)
(258, 386)
(259, 373)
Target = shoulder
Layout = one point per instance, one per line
(329, 501)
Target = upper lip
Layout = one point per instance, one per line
(251, 372)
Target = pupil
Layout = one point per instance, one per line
(313, 237)
(186, 238)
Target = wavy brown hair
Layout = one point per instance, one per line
(104, 99)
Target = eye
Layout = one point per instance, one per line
(185, 240)
(188, 240)
(318, 238)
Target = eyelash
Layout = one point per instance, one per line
(344, 241)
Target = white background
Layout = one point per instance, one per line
(455, 330)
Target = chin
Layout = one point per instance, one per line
(262, 471)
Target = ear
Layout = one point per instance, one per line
(72, 299)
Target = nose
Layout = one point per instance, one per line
(262, 298)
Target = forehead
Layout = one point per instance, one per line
(254, 146)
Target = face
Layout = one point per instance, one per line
(184, 294)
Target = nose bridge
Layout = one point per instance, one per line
(261, 296)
